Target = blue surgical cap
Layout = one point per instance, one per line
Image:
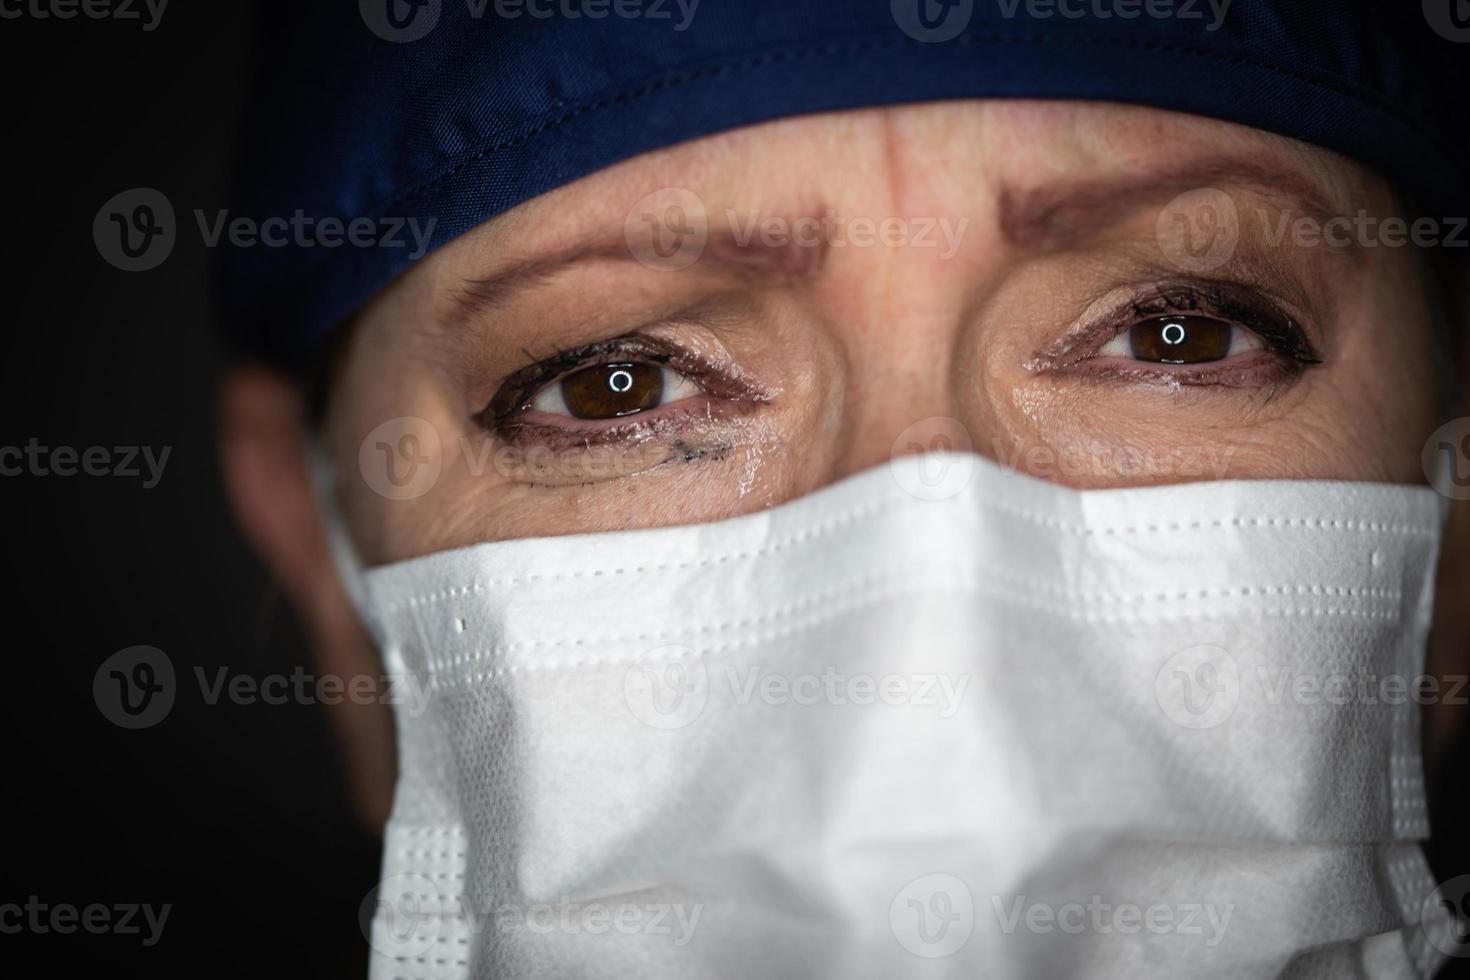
(457, 110)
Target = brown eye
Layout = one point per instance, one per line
(1180, 339)
(609, 391)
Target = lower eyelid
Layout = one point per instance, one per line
(535, 424)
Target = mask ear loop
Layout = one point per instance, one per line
(344, 555)
(1441, 477)
(1441, 472)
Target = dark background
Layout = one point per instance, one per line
(236, 815)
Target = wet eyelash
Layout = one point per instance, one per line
(1280, 332)
(1242, 306)
(519, 389)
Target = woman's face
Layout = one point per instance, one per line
(1098, 295)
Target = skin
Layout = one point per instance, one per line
(824, 357)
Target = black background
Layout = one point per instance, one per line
(235, 815)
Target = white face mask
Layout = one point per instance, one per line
(936, 720)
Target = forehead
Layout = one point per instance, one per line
(998, 164)
(920, 154)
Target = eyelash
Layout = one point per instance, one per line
(1079, 353)
(1232, 304)
(518, 393)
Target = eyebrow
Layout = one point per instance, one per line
(726, 254)
(1030, 218)
(1054, 215)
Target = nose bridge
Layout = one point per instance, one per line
(903, 318)
(901, 309)
(900, 390)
